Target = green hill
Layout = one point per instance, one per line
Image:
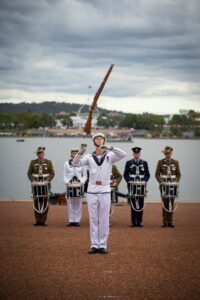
(44, 107)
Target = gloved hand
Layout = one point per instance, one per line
(106, 147)
(82, 150)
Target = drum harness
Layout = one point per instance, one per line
(137, 179)
(169, 179)
(41, 187)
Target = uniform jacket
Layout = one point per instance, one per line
(167, 167)
(132, 167)
(69, 172)
(99, 171)
(116, 175)
(41, 167)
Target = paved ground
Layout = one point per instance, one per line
(143, 263)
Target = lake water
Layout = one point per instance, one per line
(15, 158)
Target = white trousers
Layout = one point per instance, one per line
(74, 207)
(99, 210)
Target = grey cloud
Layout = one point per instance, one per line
(64, 46)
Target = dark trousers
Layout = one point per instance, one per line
(167, 216)
(136, 216)
(40, 217)
(114, 195)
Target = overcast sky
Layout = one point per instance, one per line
(60, 50)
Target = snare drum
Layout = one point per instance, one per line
(40, 189)
(40, 194)
(137, 189)
(75, 190)
(169, 189)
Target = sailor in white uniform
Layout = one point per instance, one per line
(99, 193)
(77, 175)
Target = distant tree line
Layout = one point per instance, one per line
(45, 107)
(190, 122)
(138, 121)
(26, 120)
(20, 121)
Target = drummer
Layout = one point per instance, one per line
(136, 169)
(167, 171)
(115, 179)
(73, 175)
(40, 169)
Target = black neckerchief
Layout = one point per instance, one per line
(99, 163)
(70, 162)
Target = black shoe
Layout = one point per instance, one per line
(36, 224)
(164, 225)
(132, 225)
(76, 224)
(140, 225)
(102, 251)
(171, 225)
(43, 224)
(70, 224)
(93, 250)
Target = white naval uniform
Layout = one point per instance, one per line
(74, 205)
(98, 192)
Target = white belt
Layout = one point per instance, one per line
(166, 176)
(133, 176)
(37, 175)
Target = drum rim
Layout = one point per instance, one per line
(77, 184)
(170, 183)
(137, 183)
(39, 183)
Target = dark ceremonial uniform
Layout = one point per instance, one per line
(40, 170)
(130, 174)
(167, 171)
(116, 177)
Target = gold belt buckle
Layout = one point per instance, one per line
(98, 183)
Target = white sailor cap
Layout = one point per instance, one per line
(74, 150)
(99, 134)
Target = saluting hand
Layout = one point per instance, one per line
(105, 147)
(82, 150)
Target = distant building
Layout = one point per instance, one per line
(62, 113)
(80, 121)
(59, 124)
(114, 113)
(139, 133)
(184, 111)
(188, 134)
(167, 118)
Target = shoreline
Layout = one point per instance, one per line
(82, 136)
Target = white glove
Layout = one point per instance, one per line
(82, 150)
(106, 147)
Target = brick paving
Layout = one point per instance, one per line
(143, 263)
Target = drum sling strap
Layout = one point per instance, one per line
(170, 195)
(137, 197)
